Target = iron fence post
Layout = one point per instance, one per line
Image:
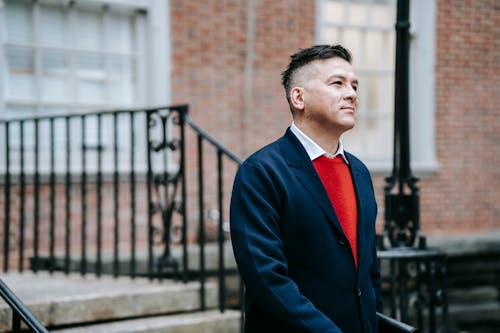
(402, 212)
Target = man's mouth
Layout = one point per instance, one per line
(348, 107)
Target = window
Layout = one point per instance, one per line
(366, 27)
(69, 57)
(59, 59)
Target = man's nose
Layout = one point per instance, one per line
(351, 93)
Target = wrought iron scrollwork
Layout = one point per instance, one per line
(402, 212)
(165, 176)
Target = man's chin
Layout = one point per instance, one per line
(349, 125)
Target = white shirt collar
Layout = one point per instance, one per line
(312, 148)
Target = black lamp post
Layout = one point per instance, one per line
(416, 276)
(401, 191)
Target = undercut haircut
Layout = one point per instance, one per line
(306, 56)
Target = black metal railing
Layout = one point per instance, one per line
(20, 312)
(86, 175)
(114, 192)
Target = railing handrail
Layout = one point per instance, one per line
(95, 113)
(212, 140)
(20, 310)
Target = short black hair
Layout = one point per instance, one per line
(305, 56)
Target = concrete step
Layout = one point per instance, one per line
(481, 294)
(474, 310)
(57, 299)
(206, 322)
(464, 315)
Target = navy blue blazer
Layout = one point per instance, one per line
(293, 256)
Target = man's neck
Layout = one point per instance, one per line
(328, 140)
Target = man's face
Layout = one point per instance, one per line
(329, 90)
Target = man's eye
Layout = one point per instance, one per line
(337, 83)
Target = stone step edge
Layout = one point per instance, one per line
(475, 294)
(481, 312)
(207, 321)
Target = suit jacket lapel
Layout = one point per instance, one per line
(297, 158)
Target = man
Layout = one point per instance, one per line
(303, 211)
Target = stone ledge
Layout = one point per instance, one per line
(470, 313)
(482, 294)
(469, 244)
(206, 322)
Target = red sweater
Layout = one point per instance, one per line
(336, 178)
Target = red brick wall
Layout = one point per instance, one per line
(209, 45)
(209, 53)
(465, 195)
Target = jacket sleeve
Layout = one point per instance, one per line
(256, 202)
(375, 266)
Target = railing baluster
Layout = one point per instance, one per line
(150, 185)
(164, 182)
(431, 280)
(115, 195)
(220, 195)
(52, 197)
(6, 244)
(201, 227)
(242, 304)
(22, 184)
(36, 199)
(68, 198)
(182, 117)
(132, 197)
(403, 292)
(99, 197)
(443, 268)
(16, 322)
(83, 262)
(419, 290)
(393, 286)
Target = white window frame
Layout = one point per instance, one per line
(422, 89)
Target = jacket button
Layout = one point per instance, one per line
(359, 292)
(342, 241)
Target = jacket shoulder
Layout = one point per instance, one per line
(268, 155)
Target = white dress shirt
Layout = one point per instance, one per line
(312, 148)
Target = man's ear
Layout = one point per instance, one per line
(297, 98)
